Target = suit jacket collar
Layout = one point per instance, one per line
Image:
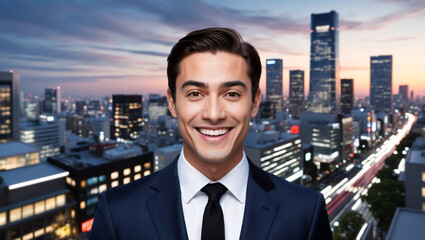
(166, 211)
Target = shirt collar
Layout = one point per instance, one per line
(192, 181)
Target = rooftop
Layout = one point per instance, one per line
(407, 224)
(172, 148)
(416, 156)
(15, 148)
(31, 174)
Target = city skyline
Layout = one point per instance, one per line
(104, 47)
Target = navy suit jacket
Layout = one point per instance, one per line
(151, 208)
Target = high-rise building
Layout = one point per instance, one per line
(296, 92)
(52, 100)
(381, 83)
(324, 94)
(43, 135)
(274, 84)
(32, 109)
(403, 92)
(127, 114)
(347, 95)
(9, 107)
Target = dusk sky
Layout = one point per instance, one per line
(104, 47)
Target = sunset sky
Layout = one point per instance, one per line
(103, 47)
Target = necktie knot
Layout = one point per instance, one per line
(214, 191)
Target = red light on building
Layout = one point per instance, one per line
(267, 128)
(332, 28)
(369, 130)
(86, 226)
(11, 70)
(295, 129)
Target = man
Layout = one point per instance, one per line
(212, 191)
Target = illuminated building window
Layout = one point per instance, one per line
(147, 165)
(423, 176)
(39, 207)
(94, 191)
(83, 184)
(28, 236)
(102, 178)
(91, 181)
(114, 175)
(27, 210)
(39, 233)
(114, 184)
(92, 201)
(50, 203)
(423, 207)
(2, 218)
(137, 168)
(137, 176)
(83, 204)
(423, 192)
(102, 188)
(127, 171)
(73, 213)
(49, 229)
(60, 200)
(15, 215)
(147, 172)
(126, 180)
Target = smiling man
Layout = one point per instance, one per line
(212, 191)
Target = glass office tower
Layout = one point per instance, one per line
(347, 95)
(127, 114)
(274, 84)
(381, 83)
(324, 94)
(296, 92)
(9, 107)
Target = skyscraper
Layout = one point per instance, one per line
(324, 94)
(296, 92)
(127, 114)
(403, 92)
(381, 83)
(274, 84)
(9, 107)
(52, 100)
(347, 95)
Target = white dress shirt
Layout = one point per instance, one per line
(194, 201)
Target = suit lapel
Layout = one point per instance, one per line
(260, 209)
(165, 206)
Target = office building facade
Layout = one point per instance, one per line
(415, 176)
(324, 96)
(381, 83)
(127, 115)
(43, 135)
(403, 92)
(17, 154)
(296, 92)
(347, 95)
(9, 107)
(274, 83)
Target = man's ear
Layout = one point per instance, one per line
(171, 104)
(256, 103)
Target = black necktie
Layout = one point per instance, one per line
(213, 222)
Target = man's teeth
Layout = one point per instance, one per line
(214, 132)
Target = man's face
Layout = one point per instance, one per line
(213, 106)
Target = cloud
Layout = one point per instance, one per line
(141, 52)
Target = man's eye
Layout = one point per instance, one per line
(233, 94)
(194, 94)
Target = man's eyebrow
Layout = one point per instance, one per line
(194, 83)
(233, 84)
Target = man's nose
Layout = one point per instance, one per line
(214, 109)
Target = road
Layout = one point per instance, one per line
(345, 195)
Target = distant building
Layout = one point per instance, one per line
(52, 100)
(407, 224)
(403, 91)
(127, 115)
(43, 135)
(32, 109)
(325, 89)
(165, 155)
(368, 123)
(9, 111)
(296, 92)
(415, 176)
(267, 109)
(93, 172)
(80, 107)
(274, 84)
(89, 127)
(279, 154)
(347, 95)
(17, 154)
(381, 83)
(157, 106)
(323, 131)
(36, 204)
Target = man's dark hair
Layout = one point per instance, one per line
(213, 40)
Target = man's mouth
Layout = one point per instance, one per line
(213, 133)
